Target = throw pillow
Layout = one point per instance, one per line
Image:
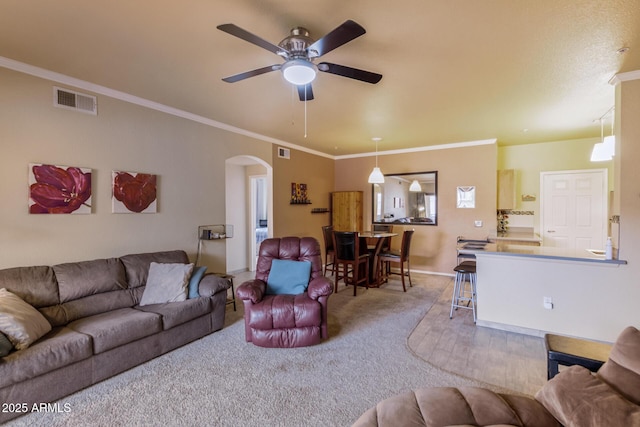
(196, 276)
(19, 321)
(288, 277)
(166, 283)
(5, 345)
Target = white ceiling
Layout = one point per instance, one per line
(454, 70)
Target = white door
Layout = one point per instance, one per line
(574, 209)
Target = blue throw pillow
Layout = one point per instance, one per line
(196, 276)
(288, 277)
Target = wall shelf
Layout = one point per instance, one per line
(215, 232)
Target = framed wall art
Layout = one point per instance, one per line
(134, 192)
(55, 189)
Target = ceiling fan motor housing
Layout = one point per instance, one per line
(297, 43)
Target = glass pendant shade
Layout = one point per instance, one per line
(603, 151)
(415, 186)
(376, 176)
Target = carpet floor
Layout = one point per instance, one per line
(221, 380)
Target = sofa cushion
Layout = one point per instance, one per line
(166, 283)
(96, 304)
(59, 348)
(36, 285)
(194, 281)
(19, 321)
(288, 277)
(576, 397)
(622, 370)
(115, 328)
(137, 265)
(177, 313)
(80, 279)
(463, 406)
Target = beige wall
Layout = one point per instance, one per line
(318, 173)
(433, 247)
(188, 157)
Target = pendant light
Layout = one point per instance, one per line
(376, 176)
(415, 186)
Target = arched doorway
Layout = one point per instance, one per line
(249, 208)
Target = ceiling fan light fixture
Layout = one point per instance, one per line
(299, 72)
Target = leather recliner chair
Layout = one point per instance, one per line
(286, 320)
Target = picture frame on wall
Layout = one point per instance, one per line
(55, 189)
(134, 192)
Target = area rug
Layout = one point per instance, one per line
(221, 380)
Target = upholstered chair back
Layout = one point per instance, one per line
(289, 248)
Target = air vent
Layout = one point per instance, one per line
(65, 98)
(284, 153)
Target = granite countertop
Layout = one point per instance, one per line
(548, 252)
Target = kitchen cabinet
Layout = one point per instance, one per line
(346, 210)
(506, 189)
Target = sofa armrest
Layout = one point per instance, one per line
(576, 397)
(211, 284)
(252, 290)
(319, 287)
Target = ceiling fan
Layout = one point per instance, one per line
(299, 51)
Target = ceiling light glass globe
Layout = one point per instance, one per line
(299, 72)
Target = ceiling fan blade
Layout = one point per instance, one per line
(352, 73)
(252, 73)
(343, 34)
(245, 35)
(305, 96)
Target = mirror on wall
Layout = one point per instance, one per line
(406, 198)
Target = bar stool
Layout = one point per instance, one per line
(464, 297)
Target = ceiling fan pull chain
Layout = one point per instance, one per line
(305, 111)
(293, 120)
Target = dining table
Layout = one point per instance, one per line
(378, 238)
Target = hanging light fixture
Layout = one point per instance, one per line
(415, 186)
(376, 176)
(299, 71)
(605, 150)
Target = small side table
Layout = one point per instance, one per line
(232, 299)
(569, 351)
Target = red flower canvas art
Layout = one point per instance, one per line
(59, 189)
(134, 192)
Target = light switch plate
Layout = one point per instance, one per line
(478, 223)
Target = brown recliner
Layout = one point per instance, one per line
(286, 320)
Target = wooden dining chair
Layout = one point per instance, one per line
(394, 257)
(352, 263)
(329, 251)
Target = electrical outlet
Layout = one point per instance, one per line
(478, 223)
(547, 303)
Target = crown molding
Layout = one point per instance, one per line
(420, 149)
(142, 102)
(625, 77)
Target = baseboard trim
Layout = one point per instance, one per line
(511, 328)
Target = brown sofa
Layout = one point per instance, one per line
(575, 397)
(98, 327)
